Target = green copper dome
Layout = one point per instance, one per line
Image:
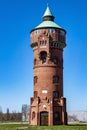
(47, 21)
(46, 24)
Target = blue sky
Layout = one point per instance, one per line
(17, 18)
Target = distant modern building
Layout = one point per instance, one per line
(48, 106)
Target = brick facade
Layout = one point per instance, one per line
(48, 106)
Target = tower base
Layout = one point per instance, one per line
(44, 112)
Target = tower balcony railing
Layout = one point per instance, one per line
(57, 44)
(34, 44)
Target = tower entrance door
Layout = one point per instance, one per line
(44, 118)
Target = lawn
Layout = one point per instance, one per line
(13, 126)
(27, 127)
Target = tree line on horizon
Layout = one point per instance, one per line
(15, 116)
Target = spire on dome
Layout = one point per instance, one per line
(47, 12)
(48, 15)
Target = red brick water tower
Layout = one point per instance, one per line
(48, 106)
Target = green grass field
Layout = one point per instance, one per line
(27, 127)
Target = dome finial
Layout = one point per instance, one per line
(48, 15)
(47, 12)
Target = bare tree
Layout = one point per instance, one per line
(8, 114)
(1, 113)
(25, 112)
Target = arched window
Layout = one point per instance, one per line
(35, 94)
(55, 79)
(62, 33)
(43, 56)
(35, 61)
(57, 116)
(43, 42)
(33, 115)
(37, 31)
(55, 60)
(51, 30)
(55, 94)
(35, 79)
